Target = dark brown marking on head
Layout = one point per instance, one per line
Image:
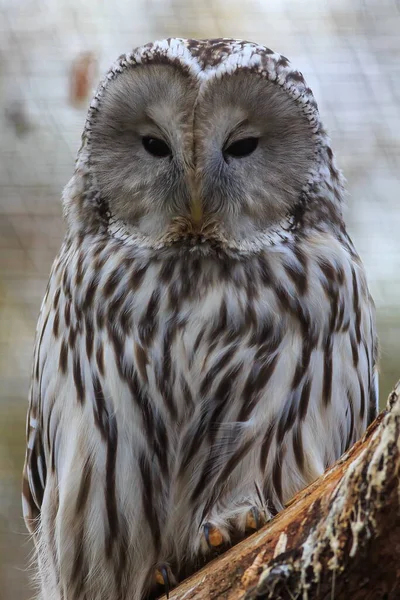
(283, 62)
(295, 76)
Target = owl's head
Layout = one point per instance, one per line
(193, 141)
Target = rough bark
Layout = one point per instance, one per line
(337, 539)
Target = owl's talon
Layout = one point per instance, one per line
(254, 519)
(163, 576)
(213, 535)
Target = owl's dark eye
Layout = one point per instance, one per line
(156, 147)
(242, 147)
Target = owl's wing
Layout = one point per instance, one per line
(34, 475)
(35, 469)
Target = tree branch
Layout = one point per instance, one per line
(339, 538)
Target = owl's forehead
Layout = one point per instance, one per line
(213, 57)
(209, 59)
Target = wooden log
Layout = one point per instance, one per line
(337, 539)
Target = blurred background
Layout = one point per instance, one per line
(52, 53)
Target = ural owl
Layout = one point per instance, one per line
(206, 346)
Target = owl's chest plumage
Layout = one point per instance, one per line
(219, 348)
(170, 390)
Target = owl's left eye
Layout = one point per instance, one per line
(156, 147)
(242, 147)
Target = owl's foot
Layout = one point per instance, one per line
(165, 577)
(255, 519)
(213, 536)
(218, 538)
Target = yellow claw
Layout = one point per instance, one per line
(165, 577)
(159, 577)
(213, 536)
(254, 519)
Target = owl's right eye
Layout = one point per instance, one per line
(156, 147)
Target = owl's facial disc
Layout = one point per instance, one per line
(142, 146)
(254, 151)
(168, 149)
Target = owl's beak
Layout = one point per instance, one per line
(196, 210)
(196, 204)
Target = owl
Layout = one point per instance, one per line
(206, 346)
